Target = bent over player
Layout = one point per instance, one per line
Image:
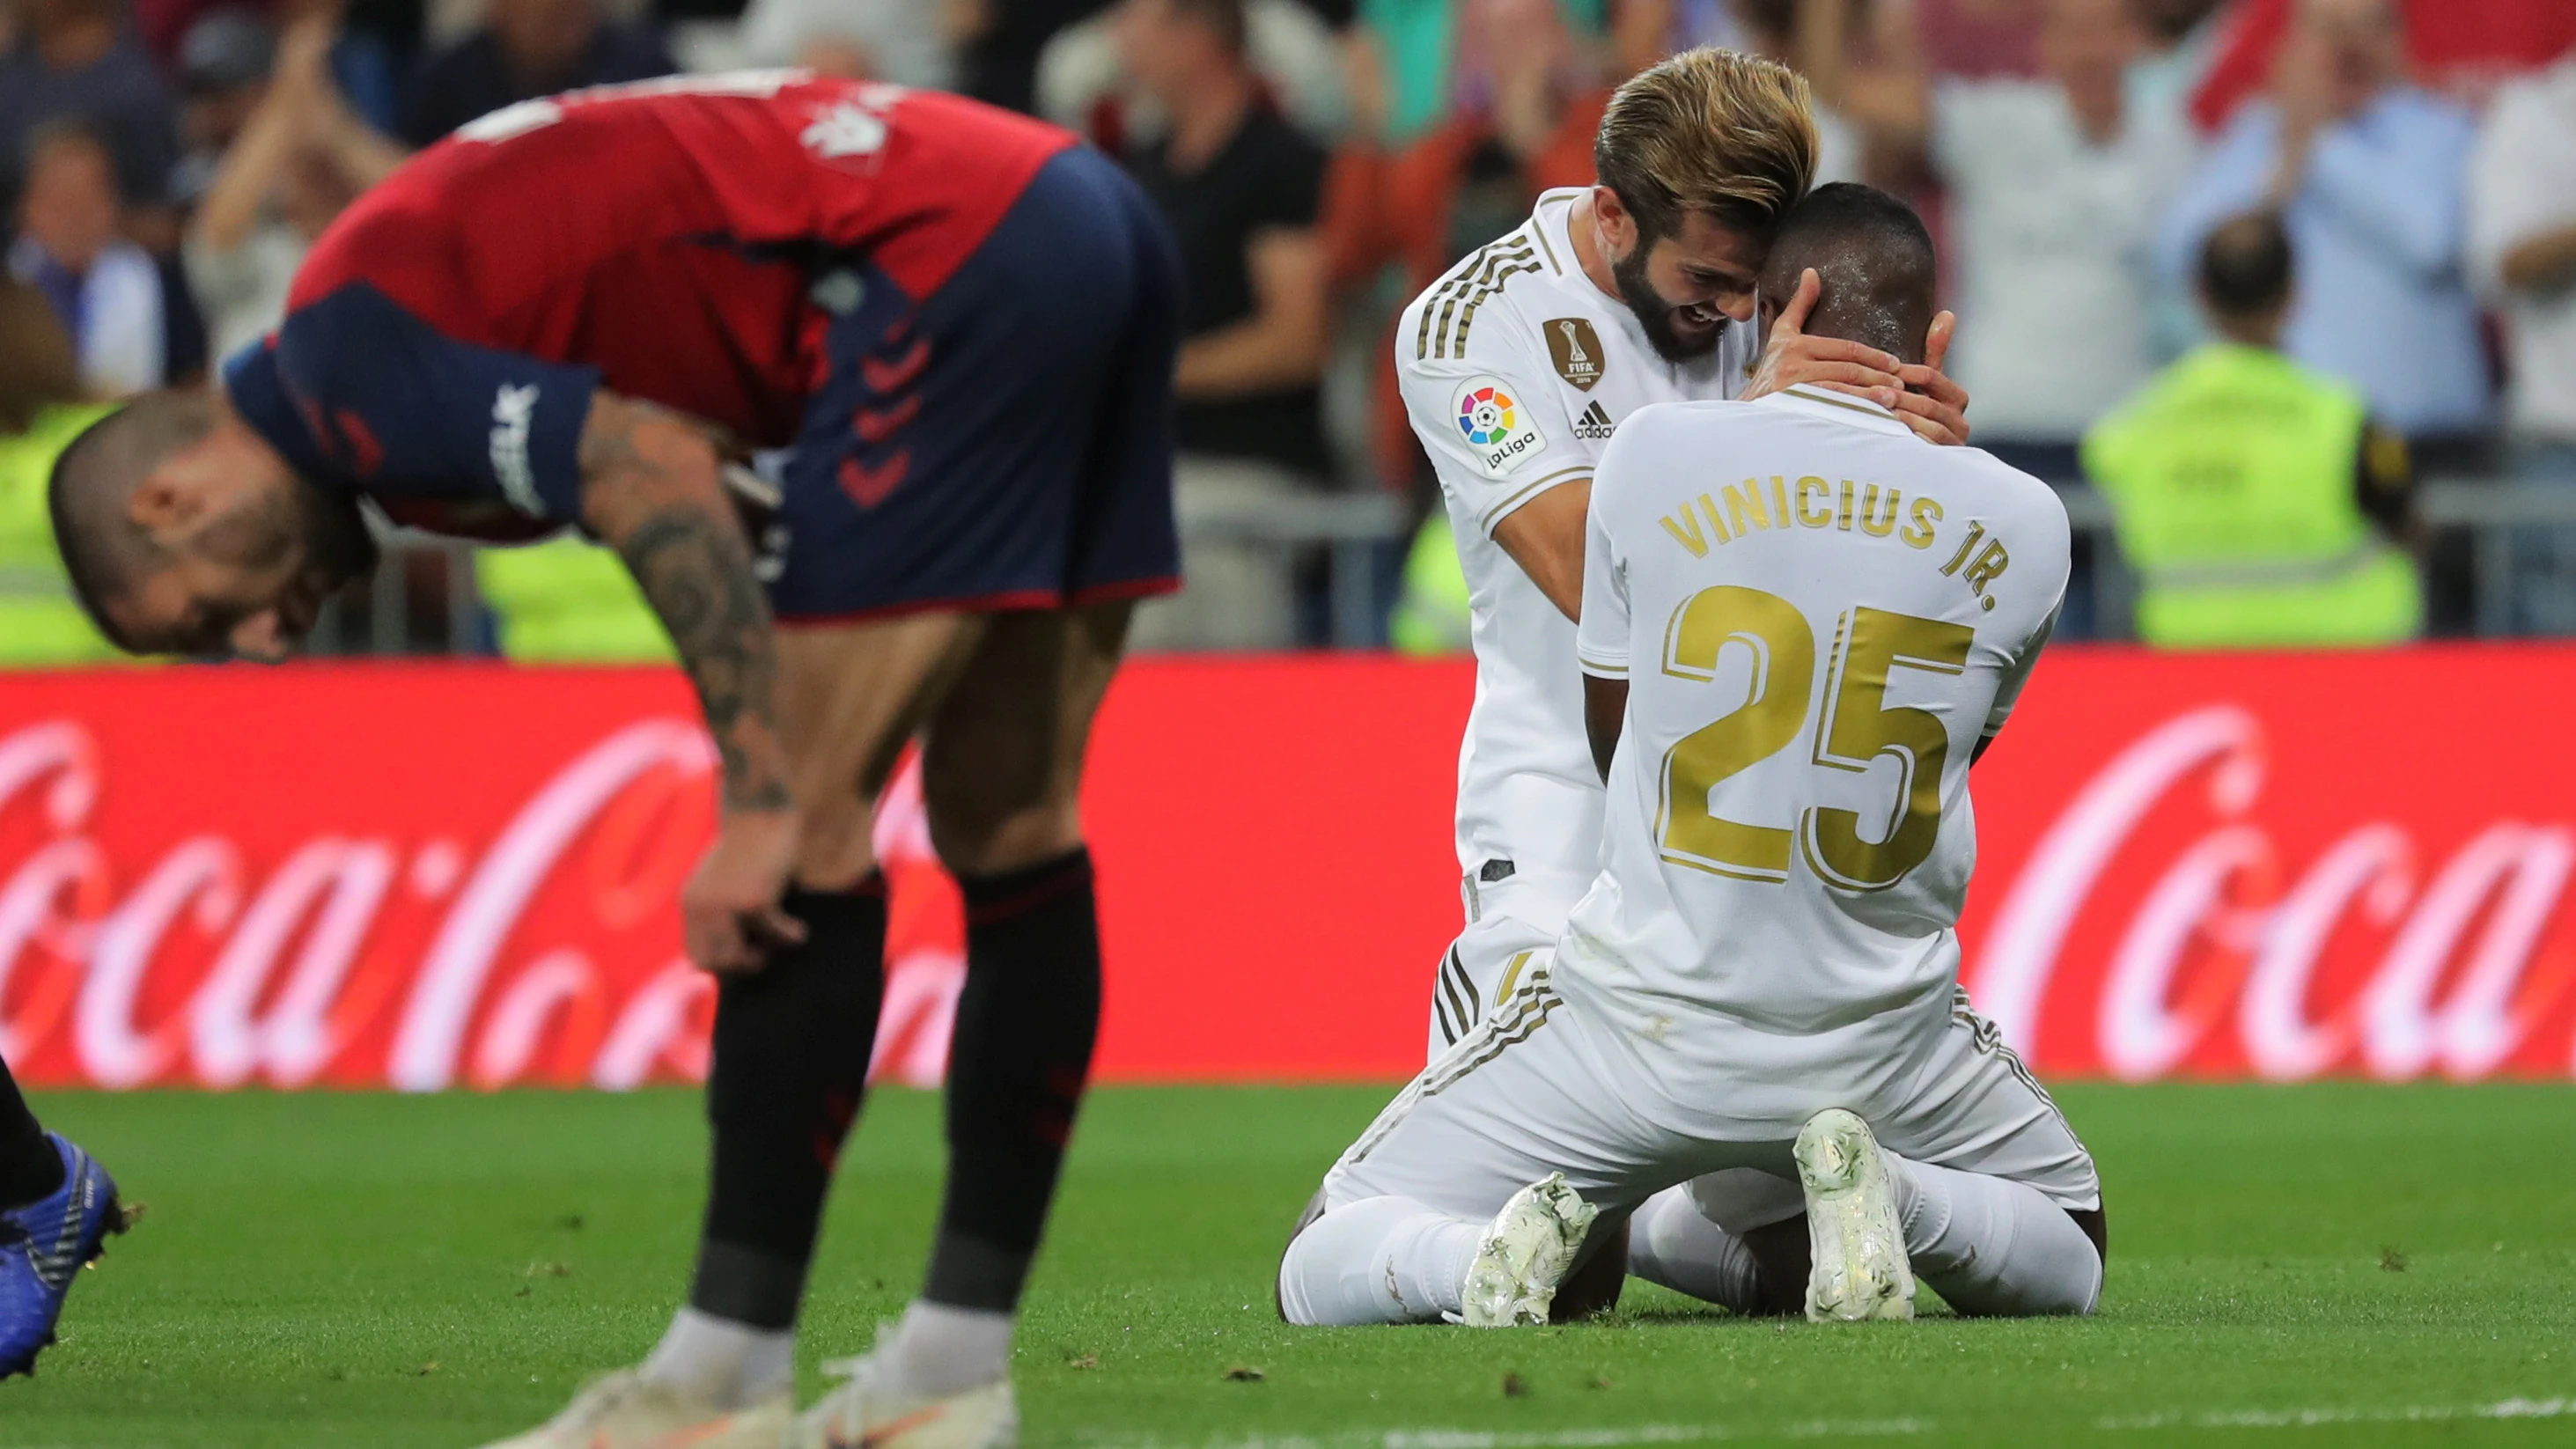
(1519, 366)
(1800, 624)
(581, 311)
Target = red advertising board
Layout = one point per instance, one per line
(460, 875)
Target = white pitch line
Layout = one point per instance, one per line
(1616, 1438)
(1651, 1434)
(2306, 1418)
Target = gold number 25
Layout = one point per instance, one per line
(1858, 727)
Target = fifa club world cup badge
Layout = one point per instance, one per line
(1576, 350)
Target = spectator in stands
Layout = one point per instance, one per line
(73, 62)
(224, 63)
(2368, 172)
(525, 49)
(1000, 41)
(298, 161)
(1420, 207)
(106, 291)
(907, 42)
(2258, 503)
(2056, 184)
(2182, 44)
(1808, 36)
(2522, 245)
(1083, 83)
(1239, 187)
(41, 410)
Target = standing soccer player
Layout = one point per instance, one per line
(1518, 367)
(1801, 623)
(582, 310)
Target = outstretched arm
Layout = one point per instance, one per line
(652, 488)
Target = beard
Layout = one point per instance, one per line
(1655, 314)
(338, 545)
(297, 529)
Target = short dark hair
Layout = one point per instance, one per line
(1875, 259)
(1225, 18)
(2247, 266)
(104, 551)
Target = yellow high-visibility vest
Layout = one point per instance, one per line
(41, 625)
(2231, 480)
(569, 601)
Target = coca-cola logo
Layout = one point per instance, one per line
(417, 959)
(2369, 956)
(447, 876)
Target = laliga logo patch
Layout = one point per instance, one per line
(1493, 426)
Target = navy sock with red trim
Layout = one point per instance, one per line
(1017, 1066)
(792, 1042)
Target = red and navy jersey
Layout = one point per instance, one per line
(443, 339)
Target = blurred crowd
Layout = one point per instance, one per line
(2408, 168)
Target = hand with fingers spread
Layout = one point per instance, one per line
(731, 918)
(1790, 356)
(1919, 393)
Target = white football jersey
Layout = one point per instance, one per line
(1516, 370)
(1819, 616)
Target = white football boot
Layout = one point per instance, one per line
(1525, 1255)
(626, 1410)
(867, 1413)
(1857, 1266)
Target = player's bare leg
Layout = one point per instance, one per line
(792, 1043)
(1001, 781)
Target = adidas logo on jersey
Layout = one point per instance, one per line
(1594, 424)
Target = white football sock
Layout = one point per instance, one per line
(940, 1350)
(1989, 1245)
(1380, 1260)
(728, 1364)
(1671, 1243)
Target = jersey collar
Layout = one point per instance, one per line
(1858, 412)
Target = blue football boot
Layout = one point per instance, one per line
(42, 1245)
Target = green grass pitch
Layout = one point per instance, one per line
(2316, 1265)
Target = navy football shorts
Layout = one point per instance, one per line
(1005, 443)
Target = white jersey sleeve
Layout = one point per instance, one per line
(1601, 638)
(2017, 674)
(1485, 408)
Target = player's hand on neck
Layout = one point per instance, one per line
(1919, 393)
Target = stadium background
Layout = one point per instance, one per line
(402, 867)
(433, 863)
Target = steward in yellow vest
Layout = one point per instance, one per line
(568, 601)
(41, 625)
(2254, 499)
(1434, 615)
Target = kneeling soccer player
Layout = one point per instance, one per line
(1807, 621)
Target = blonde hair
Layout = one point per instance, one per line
(1712, 131)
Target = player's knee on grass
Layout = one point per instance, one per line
(1305, 1220)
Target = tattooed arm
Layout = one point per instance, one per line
(652, 488)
